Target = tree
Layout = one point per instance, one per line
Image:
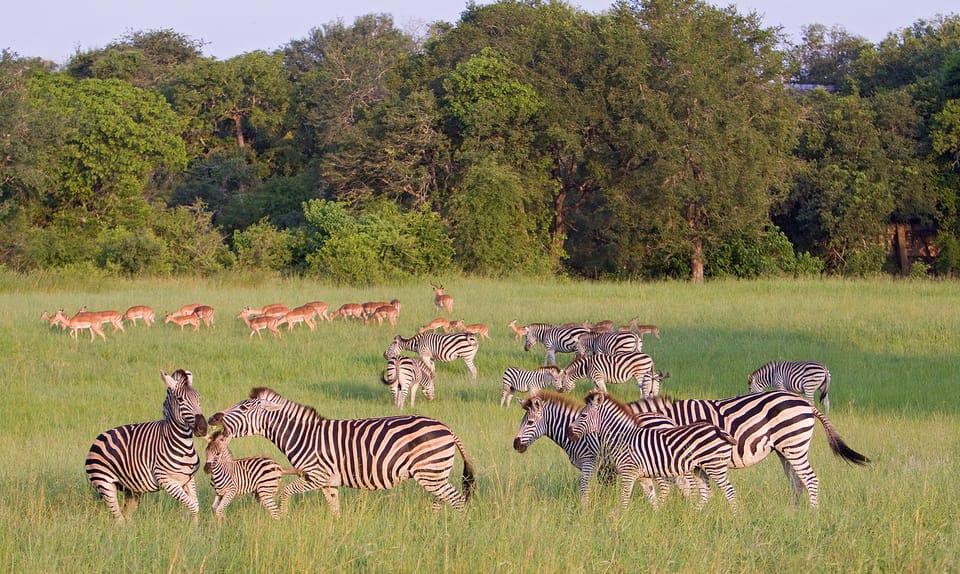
(146, 59)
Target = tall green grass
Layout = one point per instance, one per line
(892, 348)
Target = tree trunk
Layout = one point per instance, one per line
(238, 126)
(696, 261)
(902, 251)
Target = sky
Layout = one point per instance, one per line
(55, 30)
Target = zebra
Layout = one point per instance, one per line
(522, 380)
(440, 346)
(612, 343)
(801, 377)
(374, 453)
(231, 477)
(550, 414)
(643, 452)
(554, 339)
(146, 457)
(760, 422)
(405, 373)
(603, 369)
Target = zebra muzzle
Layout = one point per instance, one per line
(518, 445)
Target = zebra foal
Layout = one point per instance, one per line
(373, 454)
(147, 457)
(517, 380)
(800, 377)
(643, 452)
(232, 477)
(554, 339)
(405, 373)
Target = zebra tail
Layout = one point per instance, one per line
(286, 471)
(837, 445)
(824, 390)
(469, 479)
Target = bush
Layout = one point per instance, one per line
(263, 246)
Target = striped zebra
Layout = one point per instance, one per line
(146, 457)
(554, 339)
(405, 373)
(643, 452)
(375, 453)
(603, 369)
(801, 377)
(231, 477)
(516, 380)
(612, 343)
(444, 347)
(762, 422)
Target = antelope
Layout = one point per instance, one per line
(274, 310)
(76, 323)
(205, 312)
(183, 320)
(384, 312)
(371, 306)
(261, 322)
(438, 323)
(140, 312)
(185, 310)
(600, 326)
(440, 300)
(353, 310)
(320, 308)
(301, 314)
(519, 332)
(477, 328)
(54, 320)
(112, 317)
(641, 329)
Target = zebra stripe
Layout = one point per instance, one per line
(761, 422)
(146, 457)
(641, 452)
(612, 343)
(603, 369)
(404, 373)
(801, 377)
(444, 347)
(516, 380)
(259, 475)
(554, 339)
(550, 414)
(373, 454)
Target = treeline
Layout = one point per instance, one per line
(660, 138)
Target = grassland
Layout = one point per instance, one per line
(892, 347)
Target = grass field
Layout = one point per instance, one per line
(892, 347)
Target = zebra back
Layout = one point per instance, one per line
(554, 339)
(611, 343)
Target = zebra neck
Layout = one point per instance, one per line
(287, 428)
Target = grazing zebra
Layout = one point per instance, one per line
(516, 380)
(554, 339)
(231, 477)
(801, 377)
(440, 346)
(613, 343)
(643, 452)
(603, 369)
(146, 457)
(550, 414)
(404, 373)
(761, 422)
(374, 454)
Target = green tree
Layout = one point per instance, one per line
(146, 59)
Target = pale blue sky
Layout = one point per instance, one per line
(57, 29)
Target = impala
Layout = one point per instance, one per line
(321, 309)
(641, 329)
(382, 312)
(205, 312)
(519, 332)
(261, 322)
(301, 314)
(346, 310)
(54, 320)
(140, 312)
(438, 323)
(112, 317)
(185, 310)
(441, 300)
(273, 310)
(76, 323)
(476, 328)
(183, 320)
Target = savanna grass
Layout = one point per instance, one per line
(891, 347)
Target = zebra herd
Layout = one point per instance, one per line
(655, 440)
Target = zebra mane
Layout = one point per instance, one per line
(551, 368)
(620, 406)
(657, 403)
(553, 397)
(182, 376)
(264, 392)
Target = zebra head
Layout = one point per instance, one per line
(217, 452)
(395, 348)
(588, 419)
(531, 425)
(250, 416)
(182, 405)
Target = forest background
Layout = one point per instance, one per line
(657, 139)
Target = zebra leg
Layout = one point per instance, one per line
(627, 480)
(600, 384)
(332, 496)
(471, 367)
(717, 471)
(131, 500)
(801, 475)
(224, 501)
(185, 493)
(265, 494)
(303, 484)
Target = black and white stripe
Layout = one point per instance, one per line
(612, 343)
(517, 380)
(372, 454)
(603, 369)
(554, 339)
(405, 373)
(147, 457)
(801, 377)
(444, 347)
(259, 475)
(759, 423)
(642, 452)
